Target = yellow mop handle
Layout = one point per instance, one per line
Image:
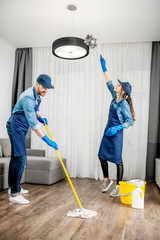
(69, 180)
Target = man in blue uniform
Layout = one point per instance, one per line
(25, 113)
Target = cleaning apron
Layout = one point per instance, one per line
(111, 147)
(19, 128)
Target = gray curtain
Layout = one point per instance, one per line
(153, 148)
(22, 78)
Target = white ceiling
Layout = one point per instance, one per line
(35, 23)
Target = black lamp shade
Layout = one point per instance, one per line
(70, 48)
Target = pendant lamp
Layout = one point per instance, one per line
(70, 48)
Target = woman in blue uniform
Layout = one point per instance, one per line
(121, 115)
(25, 113)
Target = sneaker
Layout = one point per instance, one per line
(106, 185)
(23, 191)
(18, 199)
(115, 192)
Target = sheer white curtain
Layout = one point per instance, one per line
(77, 109)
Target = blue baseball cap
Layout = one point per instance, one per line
(126, 87)
(45, 81)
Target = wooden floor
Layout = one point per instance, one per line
(45, 216)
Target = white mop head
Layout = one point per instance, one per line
(83, 213)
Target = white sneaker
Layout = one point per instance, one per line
(23, 191)
(18, 199)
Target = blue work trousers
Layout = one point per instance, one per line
(16, 167)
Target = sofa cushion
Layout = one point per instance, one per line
(35, 152)
(6, 147)
(4, 165)
(1, 151)
(43, 163)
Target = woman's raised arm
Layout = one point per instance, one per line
(103, 64)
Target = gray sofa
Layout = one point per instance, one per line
(39, 169)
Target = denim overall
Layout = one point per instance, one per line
(17, 130)
(111, 147)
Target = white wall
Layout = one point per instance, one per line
(7, 56)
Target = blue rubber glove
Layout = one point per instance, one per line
(42, 120)
(50, 142)
(113, 130)
(103, 63)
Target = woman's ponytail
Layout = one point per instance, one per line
(129, 100)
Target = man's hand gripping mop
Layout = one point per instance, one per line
(83, 213)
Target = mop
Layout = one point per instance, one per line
(91, 42)
(82, 212)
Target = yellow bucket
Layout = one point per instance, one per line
(127, 187)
